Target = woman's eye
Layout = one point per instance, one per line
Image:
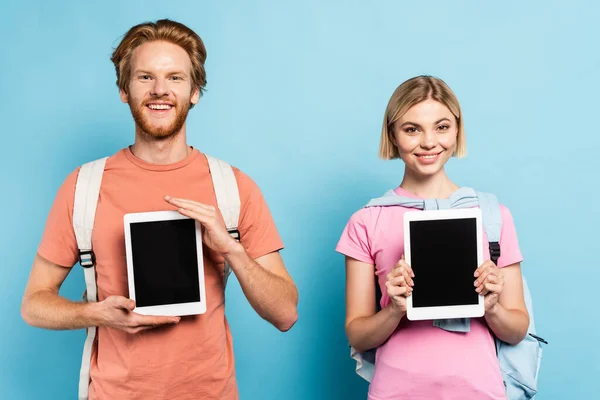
(443, 127)
(410, 129)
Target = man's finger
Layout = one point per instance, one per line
(153, 320)
(189, 203)
(202, 217)
(121, 302)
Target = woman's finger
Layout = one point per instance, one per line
(492, 288)
(398, 291)
(482, 267)
(482, 277)
(407, 267)
(399, 281)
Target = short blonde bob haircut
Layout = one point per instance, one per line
(161, 30)
(411, 92)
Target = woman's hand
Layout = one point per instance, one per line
(489, 283)
(399, 285)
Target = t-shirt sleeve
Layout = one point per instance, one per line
(258, 233)
(58, 244)
(354, 241)
(509, 244)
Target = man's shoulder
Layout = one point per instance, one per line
(245, 183)
(111, 160)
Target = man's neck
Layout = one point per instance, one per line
(167, 151)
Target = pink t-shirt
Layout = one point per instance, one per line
(420, 361)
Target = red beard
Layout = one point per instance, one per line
(158, 132)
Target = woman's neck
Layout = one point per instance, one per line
(437, 186)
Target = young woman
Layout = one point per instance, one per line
(423, 126)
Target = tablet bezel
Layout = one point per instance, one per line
(444, 312)
(179, 309)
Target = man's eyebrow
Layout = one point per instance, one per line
(144, 72)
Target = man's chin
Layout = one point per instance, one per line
(159, 128)
(160, 134)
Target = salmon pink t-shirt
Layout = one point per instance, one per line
(189, 360)
(419, 360)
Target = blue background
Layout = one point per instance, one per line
(296, 96)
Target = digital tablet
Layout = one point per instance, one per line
(444, 248)
(165, 268)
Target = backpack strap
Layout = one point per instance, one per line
(87, 190)
(520, 363)
(492, 222)
(228, 200)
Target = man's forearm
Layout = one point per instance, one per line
(272, 297)
(46, 309)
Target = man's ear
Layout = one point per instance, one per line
(124, 96)
(195, 98)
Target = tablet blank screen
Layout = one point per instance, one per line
(165, 262)
(444, 258)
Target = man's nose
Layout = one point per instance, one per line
(160, 87)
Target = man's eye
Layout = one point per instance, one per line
(145, 77)
(176, 78)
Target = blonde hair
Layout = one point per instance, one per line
(411, 92)
(168, 31)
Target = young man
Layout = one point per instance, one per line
(160, 74)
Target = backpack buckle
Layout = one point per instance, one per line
(234, 233)
(494, 252)
(539, 339)
(87, 258)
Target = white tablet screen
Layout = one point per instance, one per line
(165, 262)
(444, 258)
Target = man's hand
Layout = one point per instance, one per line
(489, 283)
(264, 280)
(214, 234)
(117, 312)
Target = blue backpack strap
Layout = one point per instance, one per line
(492, 222)
(519, 364)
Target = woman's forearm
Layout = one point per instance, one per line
(510, 326)
(366, 333)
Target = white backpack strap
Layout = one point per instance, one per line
(87, 190)
(228, 199)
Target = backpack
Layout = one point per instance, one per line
(520, 363)
(87, 190)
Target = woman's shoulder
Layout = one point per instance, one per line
(372, 215)
(506, 214)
